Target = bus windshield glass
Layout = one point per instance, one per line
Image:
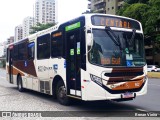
(127, 51)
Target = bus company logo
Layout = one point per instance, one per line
(43, 68)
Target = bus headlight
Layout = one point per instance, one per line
(145, 77)
(96, 79)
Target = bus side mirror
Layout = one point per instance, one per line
(89, 38)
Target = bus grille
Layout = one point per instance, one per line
(118, 77)
(123, 74)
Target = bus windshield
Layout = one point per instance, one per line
(126, 51)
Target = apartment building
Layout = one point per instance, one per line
(105, 6)
(18, 32)
(45, 11)
(28, 22)
(1, 49)
(10, 40)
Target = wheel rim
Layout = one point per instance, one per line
(62, 92)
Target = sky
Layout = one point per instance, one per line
(12, 13)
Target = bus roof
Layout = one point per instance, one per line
(56, 27)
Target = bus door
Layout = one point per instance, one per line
(10, 58)
(42, 62)
(73, 62)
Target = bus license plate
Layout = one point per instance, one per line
(128, 95)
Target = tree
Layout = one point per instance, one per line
(40, 27)
(136, 11)
(136, 1)
(146, 11)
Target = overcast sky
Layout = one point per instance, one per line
(12, 13)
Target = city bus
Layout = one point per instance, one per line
(92, 57)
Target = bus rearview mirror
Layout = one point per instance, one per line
(89, 39)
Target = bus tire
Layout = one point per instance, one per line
(20, 85)
(61, 94)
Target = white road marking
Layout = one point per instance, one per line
(141, 110)
(154, 84)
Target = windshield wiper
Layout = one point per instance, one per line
(132, 38)
(114, 38)
(130, 41)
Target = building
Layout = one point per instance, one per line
(91, 5)
(2, 54)
(10, 40)
(45, 11)
(1, 49)
(105, 6)
(18, 32)
(28, 23)
(5, 48)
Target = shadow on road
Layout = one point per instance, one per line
(85, 105)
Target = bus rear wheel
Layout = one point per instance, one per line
(20, 86)
(62, 94)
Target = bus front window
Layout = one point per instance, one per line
(128, 52)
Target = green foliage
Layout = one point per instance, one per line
(137, 11)
(136, 1)
(125, 6)
(148, 13)
(158, 38)
(40, 27)
(145, 11)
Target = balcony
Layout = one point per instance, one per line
(101, 10)
(99, 2)
(89, 6)
(120, 3)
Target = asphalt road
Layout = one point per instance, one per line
(12, 100)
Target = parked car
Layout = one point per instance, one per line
(153, 68)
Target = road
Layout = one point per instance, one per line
(12, 100)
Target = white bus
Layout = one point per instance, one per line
(92, 57)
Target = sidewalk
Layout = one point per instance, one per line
(154, 75)
(1, 68)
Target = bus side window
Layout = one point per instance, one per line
(56, 44)
(31, 47)
(43, 47)
(15, 53)
(22, 51)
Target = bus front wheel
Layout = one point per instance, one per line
(20, 86)
(62, 94)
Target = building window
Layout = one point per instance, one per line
(112, 8)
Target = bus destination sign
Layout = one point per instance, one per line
(115, 22)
